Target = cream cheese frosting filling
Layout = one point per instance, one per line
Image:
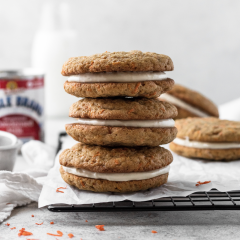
(204, 145)
(179, 103)
(119, 177)
(128, 123)
(118, 77)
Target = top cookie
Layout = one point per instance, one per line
(208, 130)
(194, 99)
(122, 109)
(133, 61)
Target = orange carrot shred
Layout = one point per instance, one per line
(51, 222)
(86, 221)
(201, 183)
(8, 203)
(39, 223)
(60, 188)
(7, 224)
(100, 227)
(32, 215)
(154, 231)
(13, 228)
(60, 234)
(70, 235)
(22, 232)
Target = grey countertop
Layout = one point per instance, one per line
(120, 225)
(125, 225)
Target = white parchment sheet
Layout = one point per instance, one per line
(184, 174)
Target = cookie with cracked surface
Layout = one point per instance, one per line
(115, 160)
(122, 109)
(99, 185)
(147, 89)
(121, 136)
(208, 130)
(190, 103)
(207, 138)
(133, 61)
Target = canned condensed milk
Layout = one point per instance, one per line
(22, 104)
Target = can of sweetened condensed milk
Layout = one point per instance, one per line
(22, 103)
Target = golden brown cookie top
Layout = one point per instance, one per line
(115, 159)
(208, 130)
(195, 99)
(133, 61)
(122, 109)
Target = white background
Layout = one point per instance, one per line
(201, 36)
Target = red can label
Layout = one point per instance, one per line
(21, 107)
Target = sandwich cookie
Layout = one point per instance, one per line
(104, 169)
(122, 122)
(190, 103)
(207, 138)
(125, 74)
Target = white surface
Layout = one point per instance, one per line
(118, 77)
(131, 123)
(169, 98)
(230, 110)
(205, 145)
(121, 177)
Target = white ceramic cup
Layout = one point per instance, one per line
(9, 147)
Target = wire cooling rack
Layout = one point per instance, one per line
(212, 200)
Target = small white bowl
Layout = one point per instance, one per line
(9, 147)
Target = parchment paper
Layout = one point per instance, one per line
(184, 174)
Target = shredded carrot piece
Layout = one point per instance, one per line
(136, 88)
(86, 221)
(13, 228)
(7, 224)
(39, 223)
(60, 188)
(56, 235)
(51, 222)
(131, 110)
(8, 203)
(32, 215)
(22, 232)
(100, 227)
(154, 231)
(201, 183)
(70, 235)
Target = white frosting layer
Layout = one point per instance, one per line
(179, 103)
(205, 145)
(128, 123)
(120, 177)
(118, 77)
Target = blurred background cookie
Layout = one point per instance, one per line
(190, 103)
(207, 138)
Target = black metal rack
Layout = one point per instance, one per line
(212, 200)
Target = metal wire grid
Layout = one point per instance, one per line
(212, 200)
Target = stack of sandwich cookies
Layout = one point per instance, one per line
(207, 138)
(190, 103)
(120, 122)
